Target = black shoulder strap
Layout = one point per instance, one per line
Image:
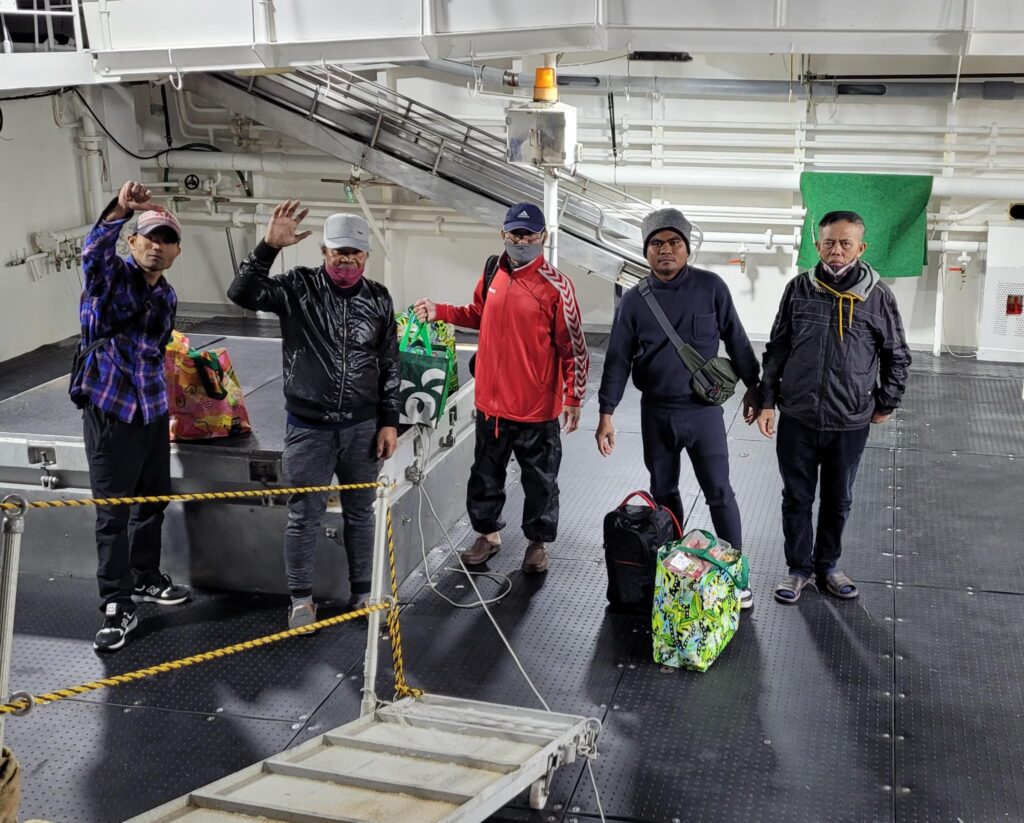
(689, 355)
(115, 331)
(490, 269)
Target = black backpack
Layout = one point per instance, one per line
(490, 269)
(632, 537)
(82, 353)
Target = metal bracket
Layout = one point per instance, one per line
(29, 699)
(263, 471)
(45, 455)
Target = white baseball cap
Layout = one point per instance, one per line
(346, 231)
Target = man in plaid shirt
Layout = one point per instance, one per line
(122, 392)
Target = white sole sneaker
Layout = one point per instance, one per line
(746, 598)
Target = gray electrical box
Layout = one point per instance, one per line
(542, 134)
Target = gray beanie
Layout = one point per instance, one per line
(666, 219)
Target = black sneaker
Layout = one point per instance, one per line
(161, 590)
(117, 622)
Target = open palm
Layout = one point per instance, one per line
(283, 227)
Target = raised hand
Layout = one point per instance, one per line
(132, 196)
(283, 227)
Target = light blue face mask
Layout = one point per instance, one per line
(523, 253)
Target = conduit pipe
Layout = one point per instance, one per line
(730, 87)
(991, 187)
(260, 163)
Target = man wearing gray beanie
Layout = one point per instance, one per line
(341, 382)
(674, 419)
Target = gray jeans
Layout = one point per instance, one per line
(311, 458)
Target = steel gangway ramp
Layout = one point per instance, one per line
(439, 157)
(422, 759)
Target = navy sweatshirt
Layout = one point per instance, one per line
(700, 307)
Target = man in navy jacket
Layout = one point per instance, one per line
(673, 418)
(836, 363)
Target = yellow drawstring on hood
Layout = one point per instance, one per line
(842, 297)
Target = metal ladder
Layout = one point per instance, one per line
(437, 156)
(419, 760)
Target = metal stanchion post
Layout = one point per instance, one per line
(377, 587)
(13, 526)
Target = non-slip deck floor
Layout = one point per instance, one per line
(901, 706)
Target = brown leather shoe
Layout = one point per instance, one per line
(481, 551)
(536, 560)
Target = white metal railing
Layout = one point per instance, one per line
(50, 11)
(444, 144)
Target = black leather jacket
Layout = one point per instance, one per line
(340, 347)
(831, 363)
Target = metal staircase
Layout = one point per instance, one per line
(437, 156)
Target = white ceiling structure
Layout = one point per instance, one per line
(118, 40)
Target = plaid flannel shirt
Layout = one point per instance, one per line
(124, 377)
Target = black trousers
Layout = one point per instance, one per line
(804, 452)
(538, 450)
(700, 432)
(127, 460)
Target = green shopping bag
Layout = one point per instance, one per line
(442, 336)
(696, 606)
(425, 375)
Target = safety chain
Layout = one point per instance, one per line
(24, 703)
(186, 498)
(402, 689)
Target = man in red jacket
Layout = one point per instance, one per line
(531, 368)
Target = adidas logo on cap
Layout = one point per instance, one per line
(524, 214)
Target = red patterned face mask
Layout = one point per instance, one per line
(344, 277)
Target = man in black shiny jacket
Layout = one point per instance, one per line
(836, 363)
(341, 380)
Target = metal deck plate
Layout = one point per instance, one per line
(959, 688)
(979, 415)
(286, 681)
(959, 521)
(89, 763)
(797, 691)
(822, 680)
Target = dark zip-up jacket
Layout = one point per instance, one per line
(835, 358)
(700, 307)
(340, 349)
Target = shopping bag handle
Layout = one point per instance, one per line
(647, 499)
(212, 364)
(415, 332)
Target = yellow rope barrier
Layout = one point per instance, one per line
(16, 706)
(402, 688)
(185, 498)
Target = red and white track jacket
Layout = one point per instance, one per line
(532, 356)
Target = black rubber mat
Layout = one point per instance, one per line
(977, 415)
(959, 734)
(798, 690)
(285, 681)
(87, 763)
(958, 521)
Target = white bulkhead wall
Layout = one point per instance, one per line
(42, 157)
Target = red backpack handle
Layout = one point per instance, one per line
(650, 502)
